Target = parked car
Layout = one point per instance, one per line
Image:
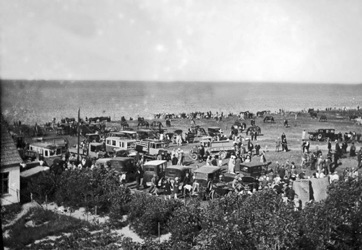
(253, 169)
(151, 168)
(121, 165)
(202, 174)
(214, 131)
(322, 134)
(224, 148)
(252, 182)
(177, 171)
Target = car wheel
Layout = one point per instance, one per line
(194, 156)
(223, 155)
(320, 137)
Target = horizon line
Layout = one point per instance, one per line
(178, 81)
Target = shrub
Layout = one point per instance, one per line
(335, 223)
(120, 199)
(186, 223)
(147, 211)
(20, 235)
(9, 212)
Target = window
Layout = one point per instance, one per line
(113, 142)
(46, 153)
(5, 183)
(108, 142)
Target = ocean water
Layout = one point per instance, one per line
(40, 101)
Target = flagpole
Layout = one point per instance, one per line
(78, 130)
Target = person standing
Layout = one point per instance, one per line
(168, 189)
(262, 157)
(352, 150)
(303, 134)
(257, 149)
(180, 158)
(329, 145)
(277, 145)
(359, 158)
(231, 165)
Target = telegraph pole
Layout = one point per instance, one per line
(78, 130)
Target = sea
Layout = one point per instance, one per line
(41, 101)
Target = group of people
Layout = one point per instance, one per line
(171, 188)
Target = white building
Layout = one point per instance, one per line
(10, 168)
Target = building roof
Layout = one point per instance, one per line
(33, 171)
(9, 152)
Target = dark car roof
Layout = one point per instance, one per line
(207, 169)
(216, 128)
(178, 167)
(121, 158)
(251, 164)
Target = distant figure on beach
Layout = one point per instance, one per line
(303, 134)
(277, 145)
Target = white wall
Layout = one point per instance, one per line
(14, 186)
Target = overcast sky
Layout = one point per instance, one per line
(171, 40)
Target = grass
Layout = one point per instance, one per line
(9, 212)
(46, 223)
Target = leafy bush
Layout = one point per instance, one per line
(82, 188)
(261, 221)
(335, 223)
(147, 211)
(186, 222)
(120, 199)
(21, 235)
(9, 212)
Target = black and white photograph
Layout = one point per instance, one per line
(181, 124)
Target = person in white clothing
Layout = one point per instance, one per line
(334, 177)
(231, 164)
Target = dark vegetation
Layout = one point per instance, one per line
(44, 223)
(260, 221)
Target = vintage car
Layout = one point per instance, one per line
(214, 131)
(121, 165)
(252, 182)
(143, 134)
(204, 173)
(114, 143)
(93, 137)
(177, 171)
(131, 135)
(322, 134)
(222, 148)
(253, 169)
(47, 149)
(152, 168)
(152, 148)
